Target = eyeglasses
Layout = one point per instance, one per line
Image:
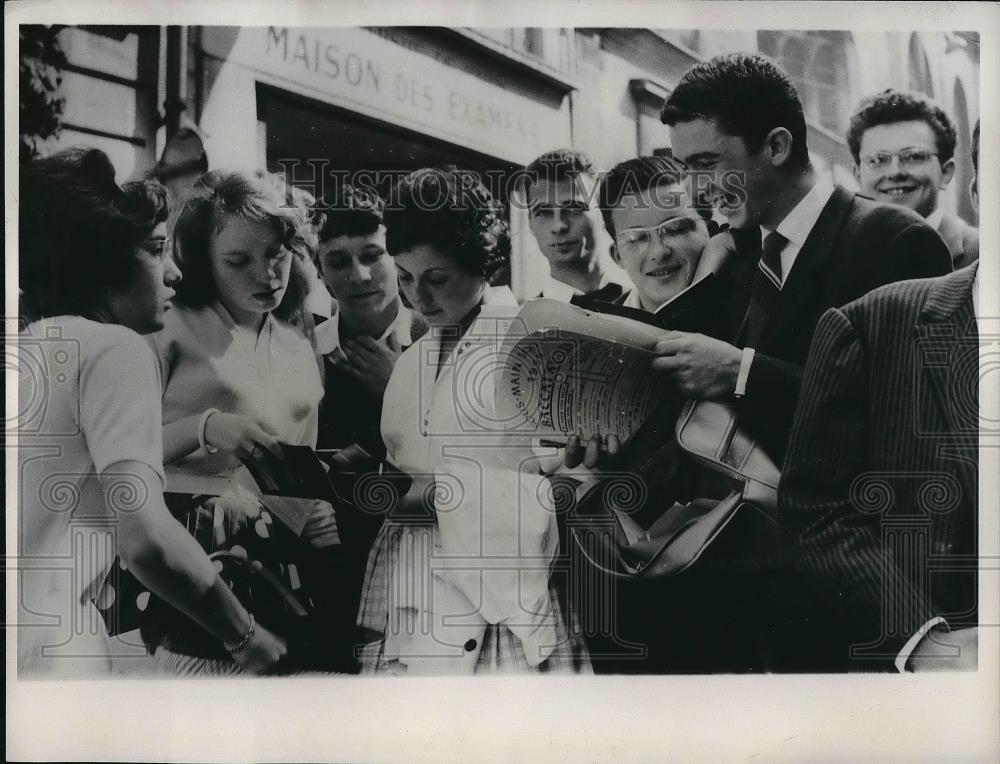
(912, 157)
(637, 240)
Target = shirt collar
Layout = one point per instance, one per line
(632, 300)
(797, 224)
(499, 297)
(935, 218)
(227, 319)
(396, 334)
(554, 289)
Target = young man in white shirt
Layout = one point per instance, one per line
(370, 326)
(564, 219)
(903, 146)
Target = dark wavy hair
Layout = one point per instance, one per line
(452, 210)
(642, 174)
(79, 230)
(747, 95)
(261, 198)
(349, 210)
(891, 106)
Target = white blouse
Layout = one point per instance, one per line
(486, 560)
(89, 399)
(207, 361)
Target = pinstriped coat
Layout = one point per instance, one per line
(878, 498)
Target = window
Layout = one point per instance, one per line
(819, 64)
(527, 40)
(686, 38)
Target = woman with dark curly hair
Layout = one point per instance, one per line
(465, 588)
(96, 272)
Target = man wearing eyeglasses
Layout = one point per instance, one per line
(903, 146)
(658, 233)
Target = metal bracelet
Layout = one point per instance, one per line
(246, 638)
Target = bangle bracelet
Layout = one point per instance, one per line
(201, 431)
(233, 649)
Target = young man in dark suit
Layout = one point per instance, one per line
(737, 122)
(903, 146)
(803, 245)
(879, 493)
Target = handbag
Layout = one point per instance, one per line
(743, 481)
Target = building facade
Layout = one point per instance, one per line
(391, 99)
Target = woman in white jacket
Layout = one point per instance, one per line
(468, 589)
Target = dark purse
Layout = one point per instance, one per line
(741, 482)
(307, 595)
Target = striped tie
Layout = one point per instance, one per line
(770, 260)
(765, 288)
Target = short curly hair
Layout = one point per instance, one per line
(891, 106)
(453, 211)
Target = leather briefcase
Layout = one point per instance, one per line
(745, 478)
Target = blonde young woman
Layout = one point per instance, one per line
(238, 367)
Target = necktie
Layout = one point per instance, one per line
(765, 288)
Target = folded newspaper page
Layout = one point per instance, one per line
(565, 369)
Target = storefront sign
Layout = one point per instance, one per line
(357, 69)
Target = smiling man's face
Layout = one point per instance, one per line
(913, 185)
(659, 237)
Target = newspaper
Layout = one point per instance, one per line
(566, 369)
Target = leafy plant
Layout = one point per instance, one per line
(41, 103)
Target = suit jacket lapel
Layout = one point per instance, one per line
(947, 328)
(806, 276)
